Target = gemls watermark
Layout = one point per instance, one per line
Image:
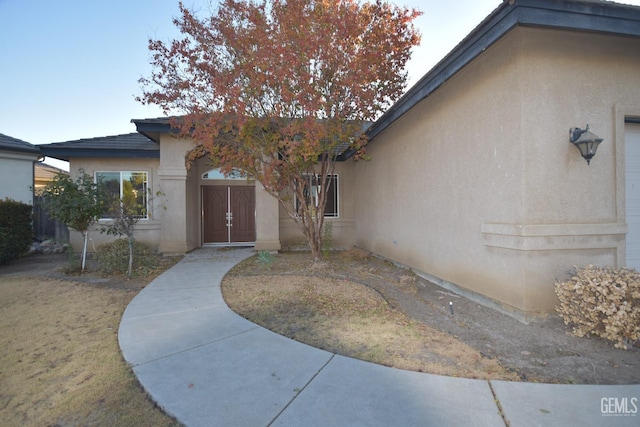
(619, 406)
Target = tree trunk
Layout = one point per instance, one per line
(130, 257)
(84, 249)
(315, 243)
(316, 252)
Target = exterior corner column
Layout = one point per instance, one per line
(173, 234)
(267, 221)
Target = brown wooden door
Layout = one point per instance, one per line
(215, 208)
(228, 214)
(243, 207)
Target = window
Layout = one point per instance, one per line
(128, 187)
(311, 192)
(217, 174)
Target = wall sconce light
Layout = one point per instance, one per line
(586, 141)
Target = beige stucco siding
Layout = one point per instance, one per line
(433, 172)
(146, 231)
(478, 185)
(574, 79)
(180, 228)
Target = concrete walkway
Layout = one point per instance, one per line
(207, 366)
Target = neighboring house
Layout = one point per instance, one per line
(17, 160)
(46, 227)
(43, 175)
(473, 181)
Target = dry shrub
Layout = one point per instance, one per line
(602, 301)
(356, 254)
(113, 258)
(407, 280)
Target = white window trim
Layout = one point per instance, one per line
(337, 209)
(95, 179)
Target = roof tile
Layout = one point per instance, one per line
(8, 143)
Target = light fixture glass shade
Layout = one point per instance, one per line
(586, 141)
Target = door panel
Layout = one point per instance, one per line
(243, 208)
(214, 205)
(234, 202)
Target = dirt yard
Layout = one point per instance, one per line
(365, 307)
(60, 363)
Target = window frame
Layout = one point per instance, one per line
(144, 217)
(216, 174)
(335, 180)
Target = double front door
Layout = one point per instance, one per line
(228, 214)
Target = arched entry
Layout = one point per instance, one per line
(228, 211)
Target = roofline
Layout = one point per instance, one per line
(26, 150)
(49, 167)
(586, 15)
(98, 147)
(66, 153)
(152, 128)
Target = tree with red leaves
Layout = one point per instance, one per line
(281, 88)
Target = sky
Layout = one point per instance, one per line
(69, 69)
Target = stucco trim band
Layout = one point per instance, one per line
(553, 236)
(172, 173)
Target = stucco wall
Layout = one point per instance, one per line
(182, 214)
(342, 235)
(16, 176)
(146, 231)
(478, 185)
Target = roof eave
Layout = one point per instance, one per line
(589, 16)
(66, 154)
(26, 150)
(153, 128)
(15, 145)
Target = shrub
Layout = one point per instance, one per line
(265, 257)
(16, 231)
(113, 258)
(74, 266)
(356, 255)
(327, 238)
(602, 301)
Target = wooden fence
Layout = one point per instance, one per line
(44, 226)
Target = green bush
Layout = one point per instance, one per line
(602, 301)
(265, 257)
(327, 238)
(113, 258)
(16, 229)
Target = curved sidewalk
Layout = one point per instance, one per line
(207, 366)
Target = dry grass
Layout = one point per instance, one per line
(60, 363)
(348, 318)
